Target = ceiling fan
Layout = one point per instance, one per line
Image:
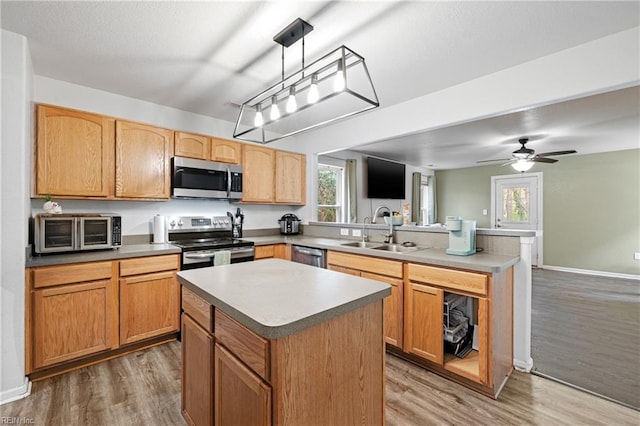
(522, 159)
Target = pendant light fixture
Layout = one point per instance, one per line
(336, 86)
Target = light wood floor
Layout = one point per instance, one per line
(585, 330)
(143, 388)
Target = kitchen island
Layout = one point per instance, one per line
(276, 342)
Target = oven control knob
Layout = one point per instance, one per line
(180, 222)
(172, 223)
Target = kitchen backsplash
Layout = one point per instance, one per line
(137, 216)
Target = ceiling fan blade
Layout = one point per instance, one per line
(543, 160)
(509, 162)
(490, 161)
(551, 154)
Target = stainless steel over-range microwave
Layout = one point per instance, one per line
(76, 232)
(191, 178)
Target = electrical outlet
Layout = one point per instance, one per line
(356, 232)
(344, 231)
(484, 212)
(636, 255)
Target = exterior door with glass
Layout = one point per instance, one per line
(517, 204)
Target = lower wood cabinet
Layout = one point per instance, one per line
(278, 251)
(388, 271)
(423, 322)
(197, 373)
(75, 320)
(85, 311)
(241, 396)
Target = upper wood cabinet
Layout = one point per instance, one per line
(258, 177)
(226, 151)
(272, 176)
(143, 155)
(207, 148)
(192, 146)
(290, 178)
(74, 153)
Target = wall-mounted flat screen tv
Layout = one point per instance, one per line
(385, 179)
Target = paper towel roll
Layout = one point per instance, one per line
(159, 233)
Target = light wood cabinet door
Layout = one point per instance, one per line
(258, 174)
(74, 153)
(264, 252)
(290, 178)
(197, 373)
(393, 308)
(72, 321)
(225, 151)
(143, 155)
(423, 322)
(241, 396)
(192, 146)
(149, 306)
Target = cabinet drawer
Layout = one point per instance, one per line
(48, 276)
(459, 280)
(250, 348)
(376, 265)
(144, 265)
(198, 309)
(263, 252)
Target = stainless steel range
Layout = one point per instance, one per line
(201, 237)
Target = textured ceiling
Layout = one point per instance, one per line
(207, 57)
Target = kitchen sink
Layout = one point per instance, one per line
(361, 244)
(395, 248)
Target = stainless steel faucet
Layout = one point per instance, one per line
(375, 215)
(388, 238)
(365, 237)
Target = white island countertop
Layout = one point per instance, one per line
(276, 298)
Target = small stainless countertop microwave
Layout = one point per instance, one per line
(54, 233)
(191, 178)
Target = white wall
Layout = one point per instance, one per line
(15, 166)
(137, 216)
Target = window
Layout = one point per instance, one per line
(330, 193)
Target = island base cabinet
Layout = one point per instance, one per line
(241, 396)
(331, 373)
(197, 373)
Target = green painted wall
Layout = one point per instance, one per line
(591, 207)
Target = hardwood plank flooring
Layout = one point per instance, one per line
(585, 330)
(143, 388)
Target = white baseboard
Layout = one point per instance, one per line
(589, 272)
(524, 366)
(15, 394)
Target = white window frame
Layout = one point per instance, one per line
(340, 211)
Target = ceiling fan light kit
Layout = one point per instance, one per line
(336, 86)
(523, 158)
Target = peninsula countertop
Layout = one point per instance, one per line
(276, 298)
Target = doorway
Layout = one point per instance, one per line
(516, 202)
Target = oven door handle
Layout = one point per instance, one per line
(199, 255)
(228, 181)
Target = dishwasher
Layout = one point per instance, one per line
(309, 256)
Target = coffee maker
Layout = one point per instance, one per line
(462, 236)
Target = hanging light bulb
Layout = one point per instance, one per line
(292, 105)
(258, 120)
(274, 114)
(339, 82)
(313, 95)
(522, 165)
